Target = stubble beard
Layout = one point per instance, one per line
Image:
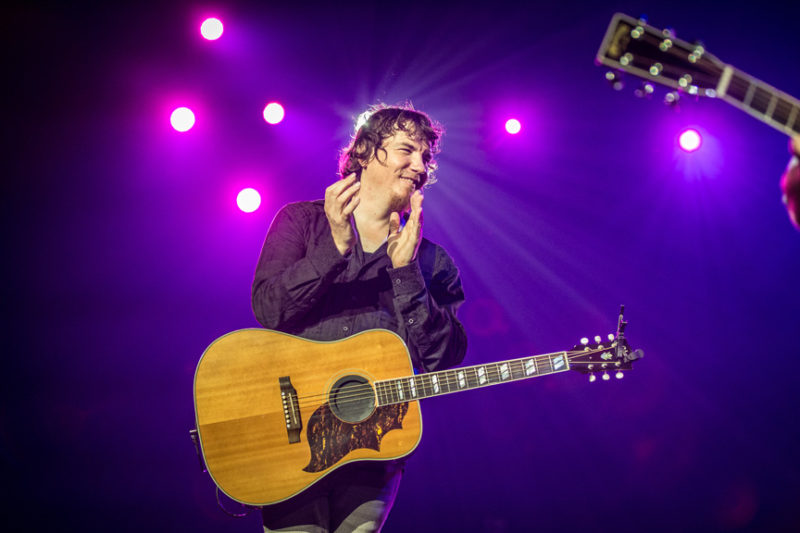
(399, 204)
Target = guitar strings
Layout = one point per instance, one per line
(367, 391)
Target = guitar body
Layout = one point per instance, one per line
(275, 413)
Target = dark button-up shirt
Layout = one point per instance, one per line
(305, 287)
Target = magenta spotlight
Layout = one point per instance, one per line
(274, 112)
(248, 200)
(211, 29)
(182, 119)
(513, 126)
(690, 140)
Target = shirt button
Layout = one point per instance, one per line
(345, 328)
(398, 281)
(410, 320)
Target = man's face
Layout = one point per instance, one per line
(398, 169)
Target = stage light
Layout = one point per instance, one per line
(274, 112)
(513, 126)
(363, 118)
(211, 29)
(182, 119)
(248, 200)
(690, 140)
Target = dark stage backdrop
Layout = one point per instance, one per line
(125, 256)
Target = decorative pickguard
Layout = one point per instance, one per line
(330, 439)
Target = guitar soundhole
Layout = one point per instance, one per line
(352, 399)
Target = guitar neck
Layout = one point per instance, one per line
(657, 56)
(393, 391)
(766, 103)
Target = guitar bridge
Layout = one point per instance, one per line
(291, 409)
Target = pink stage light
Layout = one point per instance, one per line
(211, 29)
(274, 113)
(513, 126)
(690, 140)
(248, 200)
(182, 119)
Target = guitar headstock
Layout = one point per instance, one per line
(655, 55)
(603, 356)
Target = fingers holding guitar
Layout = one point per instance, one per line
(790, 183)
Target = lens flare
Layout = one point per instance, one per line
(274, 113)
(690, 140)
(182, 119)
(513, 126)
(248, 200)
(211, 29)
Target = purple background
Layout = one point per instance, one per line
(125, 256)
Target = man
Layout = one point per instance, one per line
(334, 267)
(790, 183)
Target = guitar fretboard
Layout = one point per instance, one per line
(763, 101)
(420, 386)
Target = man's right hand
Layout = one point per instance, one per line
(341, 199)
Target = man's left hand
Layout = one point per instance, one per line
(403, 245)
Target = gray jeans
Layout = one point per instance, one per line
(355, 498)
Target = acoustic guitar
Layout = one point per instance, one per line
(275, 413)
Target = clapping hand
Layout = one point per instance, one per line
(341, 199)
(403, 245)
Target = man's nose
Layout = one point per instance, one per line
(417, 164)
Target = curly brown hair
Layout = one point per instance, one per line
(381, 122)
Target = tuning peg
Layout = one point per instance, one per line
(645, 91)
(606, 377)
(585, 341)
(671, 98)
(611, 336)
(619, 374)
(592, 378)
(615, 80)
(597, 338)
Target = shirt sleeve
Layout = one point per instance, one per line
(427, 314)
(295, 268)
